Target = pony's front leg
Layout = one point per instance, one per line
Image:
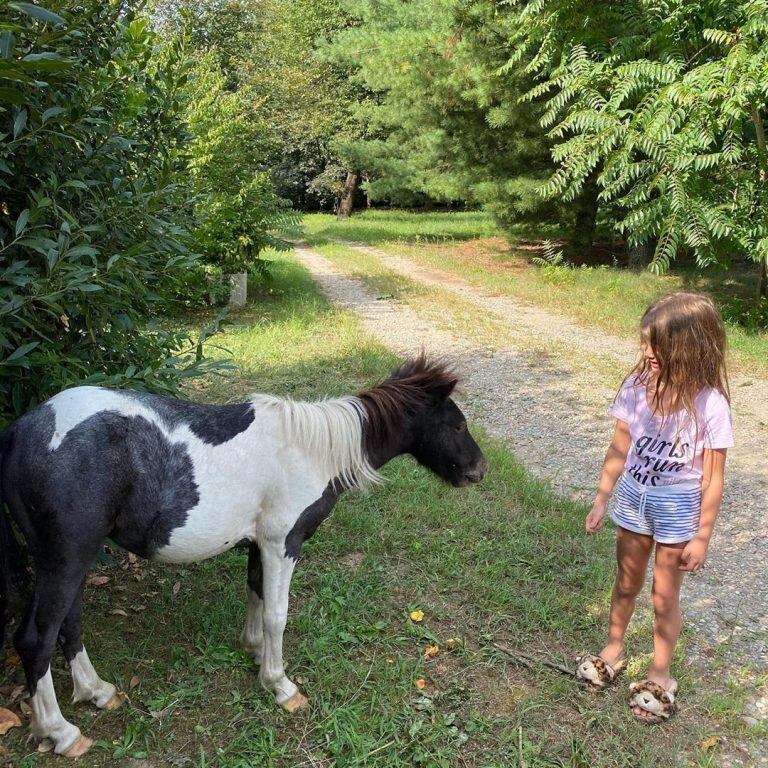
(278, 570)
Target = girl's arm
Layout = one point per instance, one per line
(695, 552)
(615, 458)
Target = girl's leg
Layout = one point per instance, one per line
(632, 553)
(667, 579)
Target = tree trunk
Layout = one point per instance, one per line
(762, 282)
(585, 219)
(347, 200)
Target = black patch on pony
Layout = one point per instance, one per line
(255, 570)
(213, 424)
(112, 474)
(309, 520)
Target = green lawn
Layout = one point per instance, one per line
(610, 298)
(504, 560)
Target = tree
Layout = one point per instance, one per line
(442, 123)
(662, 105)
(237, 208)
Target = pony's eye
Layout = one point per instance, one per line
(461, 427)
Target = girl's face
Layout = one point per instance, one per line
(648, 354)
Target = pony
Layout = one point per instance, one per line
(177, 481)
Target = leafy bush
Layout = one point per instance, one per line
(95, 213)
(238, 210)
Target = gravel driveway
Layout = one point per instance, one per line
(553, 411)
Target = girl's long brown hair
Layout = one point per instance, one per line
(687, 336)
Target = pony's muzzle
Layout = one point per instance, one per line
(477, 473)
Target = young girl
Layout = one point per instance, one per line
(673, 426)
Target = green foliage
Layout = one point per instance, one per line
(663, 104)
(443, 123)
(308, 100)
(94, 215)
(237, 207)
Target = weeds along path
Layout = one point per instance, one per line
(553, 412)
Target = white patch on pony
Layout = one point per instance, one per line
(47, 720)
(73, 406)
(88, 686)
(256, 485)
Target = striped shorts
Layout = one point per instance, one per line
(669, 513)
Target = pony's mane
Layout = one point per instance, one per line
(341, 434)
(417, 383)
(331, 431)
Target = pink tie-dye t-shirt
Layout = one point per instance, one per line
(666, 451)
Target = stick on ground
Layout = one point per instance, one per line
(531, 661)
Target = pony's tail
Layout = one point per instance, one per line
(12, 571)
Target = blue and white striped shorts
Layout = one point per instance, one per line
(669, 513)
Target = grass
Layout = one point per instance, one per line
(504, 560)
(606, 297)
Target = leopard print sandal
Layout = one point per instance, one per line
(596, 672)
(654, 699)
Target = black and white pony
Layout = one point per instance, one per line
(178, 482)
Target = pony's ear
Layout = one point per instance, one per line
(443, 391)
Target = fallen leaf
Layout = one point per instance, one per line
(8, 720)
(390, 661)
(132, 558)
(16, 692)
(417, 615)
(46, 745)
(431, 652)
(176, 588)
(420, 683)
(97, 581)
(26, 710)
(452, 643)
(118, 612)
(12, 659)
(135, 681)
(139, 608)
(709, 744)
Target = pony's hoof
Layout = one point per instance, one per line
(295, 703)
(116, 701)
(79, 748)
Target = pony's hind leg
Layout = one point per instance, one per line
(252, 637)
(278, 570)
(88, 686)
(35, 641)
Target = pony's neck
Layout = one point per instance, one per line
(381, 445)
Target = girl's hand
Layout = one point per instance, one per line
(596, 517)
(694, 554)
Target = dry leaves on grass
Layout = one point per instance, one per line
(420, 683)
(118, 612)
(98, 581)
(431, 651)
(709, 744)
(135, 682)
(8, 720)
